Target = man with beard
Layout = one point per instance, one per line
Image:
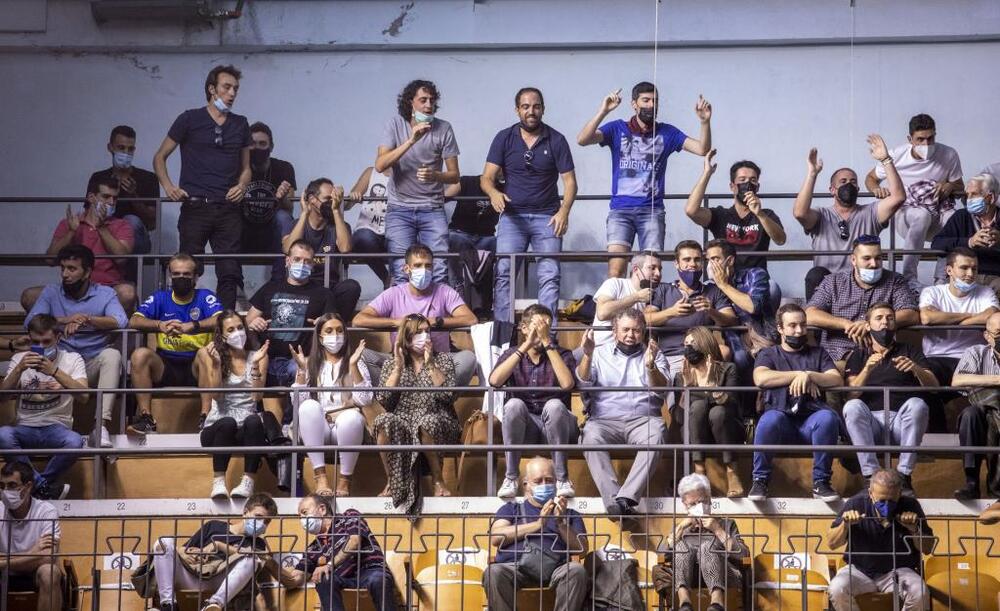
(270, 190)
(639, 149)
(836, 227)
(86, 311)
(533, 157)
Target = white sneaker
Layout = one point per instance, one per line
(565, 489)
(509, 489)
(219, 490)
(245, 488)
(106, 438)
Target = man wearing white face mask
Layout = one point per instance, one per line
(436, 301)
(977, 227)
(343, 554)
(30, 534)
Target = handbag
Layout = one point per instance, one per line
(144, 579)
(476, 433)
(535, 565)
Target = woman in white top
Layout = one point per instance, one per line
(232, 419)
(334, 417)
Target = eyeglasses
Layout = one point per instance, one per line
(842, 226)
(529, 155)
(218, 135)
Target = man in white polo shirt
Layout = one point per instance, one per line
(29, 538)
(619, 294)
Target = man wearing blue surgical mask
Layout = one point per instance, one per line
(885, 534)
(543, 520)
(977, 227)
(842, 299)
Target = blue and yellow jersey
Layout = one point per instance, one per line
(163, 305)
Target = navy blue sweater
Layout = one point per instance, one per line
(956, 232)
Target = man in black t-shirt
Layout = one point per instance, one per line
(473, 225)
(215, 171)
(887, 363)
(271, 188)
(885, 534)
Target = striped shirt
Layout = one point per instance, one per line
(979, 360)
(326, 545)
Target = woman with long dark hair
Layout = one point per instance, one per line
(332, 417)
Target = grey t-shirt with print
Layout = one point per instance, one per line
(826, 234)
(431, 150)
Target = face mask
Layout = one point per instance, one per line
(847, 194)
(743, 188)
(885, 508)
(311, 524)
(104, 210)
(254, 527)
(421, 117)
(73, 288)
(795, 343)
(49, 352)
(700, 509)
(629, 350)
(220, 105)
(885, 338)
(12, 499)
(964, 287)
(976, 205)
(326, 211)
(647, 115)
(870, 276)
(182, 286)
(693, 355)
(543, 493)
(237, 339)
(121, 160)
(300, 271)
(691, 278)
(419, 341)
(259, 157)
(420, 278)
(333, 342)
(924, 151)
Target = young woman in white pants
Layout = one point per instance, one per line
(334, 417)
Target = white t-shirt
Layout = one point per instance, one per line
(45, 408)
(18, 536)
(943, 165)
(952, 344)
(615, 289)
(372, 215)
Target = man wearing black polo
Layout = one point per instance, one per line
(215, 171)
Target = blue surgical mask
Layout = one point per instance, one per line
(122, 160)
(421, 117)
(692, 278)
(254, 527)
(885, 508)
(311, 524)
(543, 493)
(975, 205)
(964, 287)
(48, 352)
(220, 105)
(870, 276)
(300, 271)
(420, 278)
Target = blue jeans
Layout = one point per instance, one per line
(775, 427)
(459, 240)
(18, 437)
(141, 245)
(367, 241)
(646, 222)
(408, 225)
(377, 581)
(514, 234)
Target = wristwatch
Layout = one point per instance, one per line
(438, 323)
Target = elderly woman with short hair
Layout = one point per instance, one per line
(704, 549)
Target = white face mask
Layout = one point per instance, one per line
(419, 341)
(924, 150)
(237, 339)
(333, 342)
(12, 499)
(312, 524)
(699, 510)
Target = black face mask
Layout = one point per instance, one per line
(74, 288)
(885, 338)
(259, 157)
(693, 355)
(326, 211)
(743, 188)
(182, 286)
(796, 343)
(629, 350)
(847, 194)
(647, 115)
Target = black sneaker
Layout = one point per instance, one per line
(758, 492)
(51, 492)
(167, 606)
(969, 492)
(823, 491)
(620, 509)
(907, 485)
(142, 425)
(201, 422)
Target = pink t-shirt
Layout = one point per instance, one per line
(398, 301)
(105, 271)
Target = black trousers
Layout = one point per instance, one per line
(266, 237)
(221, 225)
(225, 432)
(972, 431)
(813, 279)
(346, 294)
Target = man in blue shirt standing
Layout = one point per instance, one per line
(639, 151)
(86, 311)
(533, 157)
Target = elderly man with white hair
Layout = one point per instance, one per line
(703, 548)
(977, 227)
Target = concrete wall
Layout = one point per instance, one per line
(782, 77)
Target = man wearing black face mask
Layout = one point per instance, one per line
(978, 370)
(887, 363)
(834, 228)
(793, 375)
(268, 200)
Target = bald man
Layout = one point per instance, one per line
(543, 520)
(978, 368)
